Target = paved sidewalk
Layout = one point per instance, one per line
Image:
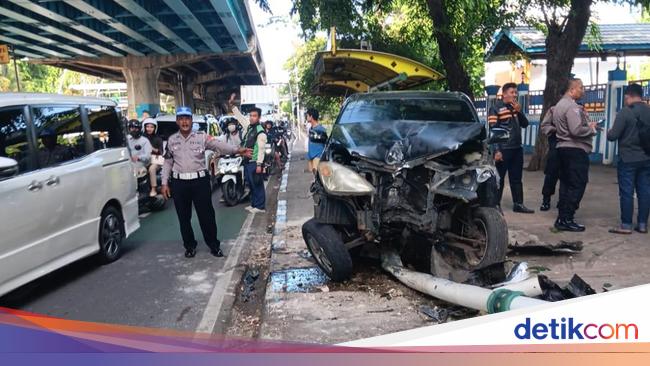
(302, 305)
(616, 261)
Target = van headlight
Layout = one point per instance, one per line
(340, 180)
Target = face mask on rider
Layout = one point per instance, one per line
(232, 128)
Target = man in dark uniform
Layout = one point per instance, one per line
(184, 174)
(509, 157)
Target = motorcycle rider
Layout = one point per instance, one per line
(509, 157)
(232, 134)
(157, 160)
(139, 145)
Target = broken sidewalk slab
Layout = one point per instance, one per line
(298, 280)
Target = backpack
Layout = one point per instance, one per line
(643, 128)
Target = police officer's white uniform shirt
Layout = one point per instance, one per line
(187, 155)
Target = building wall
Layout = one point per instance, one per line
(501, 72)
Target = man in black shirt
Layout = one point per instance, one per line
(509, 157)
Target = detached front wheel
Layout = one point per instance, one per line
(327, 248)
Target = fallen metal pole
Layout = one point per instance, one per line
(474, 297)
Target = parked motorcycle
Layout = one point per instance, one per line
(231, 172)
(146, 203)
(412, 171)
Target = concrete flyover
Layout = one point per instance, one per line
(200, 51)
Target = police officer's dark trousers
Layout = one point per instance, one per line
(552, 169)
(513, 165)
(197, 192)
(574, 175)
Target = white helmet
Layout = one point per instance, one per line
(150, 121)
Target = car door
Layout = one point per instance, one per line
(70, 178)
(23, 222)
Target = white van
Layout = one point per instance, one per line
(67, 186)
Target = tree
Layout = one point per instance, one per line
(461, 29)
(565, 24)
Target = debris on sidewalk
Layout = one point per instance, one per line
(563, 247)
(524, 243)
(436, 314)
(250, 278)
(577, 287)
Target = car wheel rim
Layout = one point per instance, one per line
(319, 253)
(111, 235)
(478, 231)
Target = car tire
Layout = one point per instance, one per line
(111, 235)
(496, 230)
(327, 248)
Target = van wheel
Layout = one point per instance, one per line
(111, 235)
(327, 248)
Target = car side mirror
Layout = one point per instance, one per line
(8, 168)
(498, 136)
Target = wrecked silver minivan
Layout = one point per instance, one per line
(410, 170)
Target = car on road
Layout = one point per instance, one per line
(67, 185)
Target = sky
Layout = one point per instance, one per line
(278, 40)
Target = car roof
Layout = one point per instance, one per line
(11, 99)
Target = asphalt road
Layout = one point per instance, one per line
(152, 285)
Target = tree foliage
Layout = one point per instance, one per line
(449, 35)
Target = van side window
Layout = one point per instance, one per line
(13, 139)
(60, 134)
(106, 127)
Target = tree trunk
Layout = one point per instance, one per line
(562, 46)
(457, 77)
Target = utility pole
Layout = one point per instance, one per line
(13, 53)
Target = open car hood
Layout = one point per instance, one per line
(416, 139)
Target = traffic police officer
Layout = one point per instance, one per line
(184, 174)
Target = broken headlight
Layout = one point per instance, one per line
(340, 180)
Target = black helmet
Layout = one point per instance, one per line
(134, 123)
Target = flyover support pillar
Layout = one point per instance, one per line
(142, 90)
(184, 91)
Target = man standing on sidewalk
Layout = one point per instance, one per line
(509, 157)
(317, 139)
(255, 138)
(185, 176)
(575, 134)
(633, 162)
(551, 173)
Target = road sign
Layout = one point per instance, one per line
(4, 54)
